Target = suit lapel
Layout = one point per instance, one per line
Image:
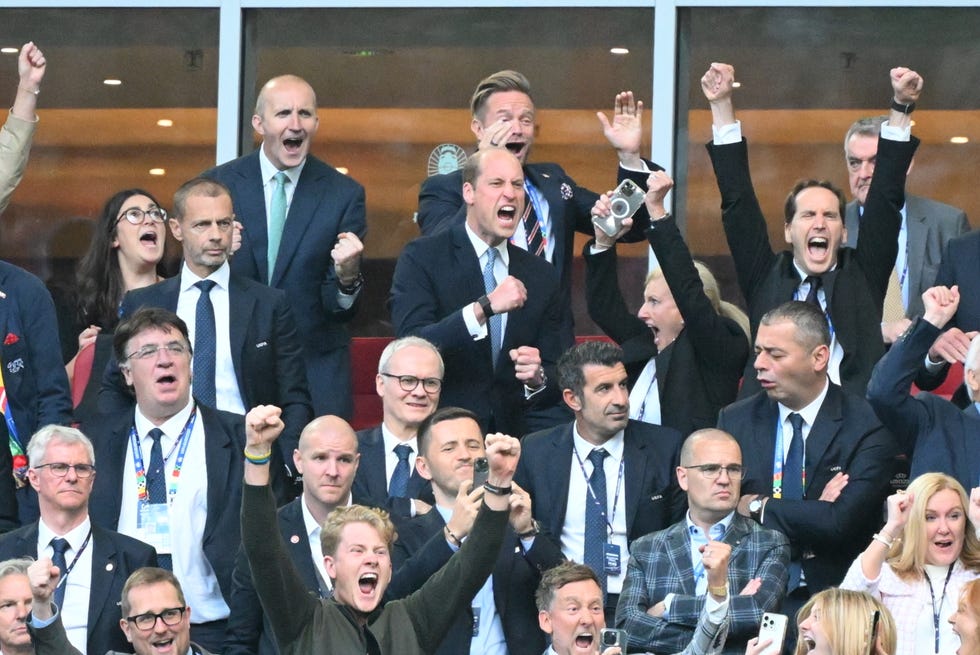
(105, 568)
(635, 469)
(679, 549)
(545, 186)
(218, 455)
(240, 308)
(293, 529)
(822, 433)
(915, 242)
(302, 210)
(764, 441)
(250, 209)
(561, 459)
(374, 455)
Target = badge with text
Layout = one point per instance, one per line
(612, 558)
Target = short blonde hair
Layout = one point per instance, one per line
(846, 620)
(342, 516)
(709, 283)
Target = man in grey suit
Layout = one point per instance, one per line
(926, 227)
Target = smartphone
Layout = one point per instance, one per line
(873, 632)
(625, 200)
(481, 471)
(773, 627)
(609, 638)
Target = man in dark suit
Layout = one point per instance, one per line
(492, 309)
(303, 224)
(257, 357)
(927, 226)
(501, 618)
(95, 562)
(635, 484)
(666, 586)
(840, 280)
(327, 458)
(409, 381)
(937, 434)
(504, 117)
(187, 504)
(821, 460)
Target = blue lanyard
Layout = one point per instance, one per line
(183, 440)
(619, 484)
(778, 459)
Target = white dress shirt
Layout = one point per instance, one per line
(78, 584)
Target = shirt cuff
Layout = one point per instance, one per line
(643, 168)
(716, 609)
(934, 367)
(473, 326)
(346, 300)
(895, 133)
(668, 599)
(727, 134)
(37, 623)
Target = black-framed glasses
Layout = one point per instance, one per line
(136, 216)
(171, 616)
(60, 469)
(409, 382)
(713, 471)
(146, 352)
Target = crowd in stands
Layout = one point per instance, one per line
(179, 475)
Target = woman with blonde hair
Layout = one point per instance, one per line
(920, 560)
(966, 619)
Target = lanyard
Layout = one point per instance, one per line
(183, 440)
(937, 610)
(799, 295)
(778, 459)
(64, 576)
(605, 501)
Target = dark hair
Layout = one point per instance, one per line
(790, 209)
(810, 322)
(571, 373)
(555, 578)
(440, 415)
(199, 186)
(505, 80)
(100, 283)
(142, 319)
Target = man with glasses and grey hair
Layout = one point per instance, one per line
(94, 561)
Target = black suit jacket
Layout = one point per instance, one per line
(698, 374)
(650, 452)
(421, 550)
(265, 351)
(249, 632)
(371, 480)
(114, 557)
(435, 278)
(846, 437)
(855, 289)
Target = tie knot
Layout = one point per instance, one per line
(813, 280)
(60, 546)
(597, 456)
(156, 434)
(403, 450)
(491, 256)
(281, 178)
(205, 286)
(796, 421)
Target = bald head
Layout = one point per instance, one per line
(327, 458)
(277, 83)
(706, 435)
(332, 426)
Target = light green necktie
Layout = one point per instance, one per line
(277, 219)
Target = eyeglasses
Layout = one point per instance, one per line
(148, 621)
(713, 471)
(136, 216)
(409, 382)
(60, 469)
(146, 352)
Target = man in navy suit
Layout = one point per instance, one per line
(500, 620)
(258, 359)
(303, 224)
(327, 458)
(96, 561)
(635, 485)
(409, 381)
(492, 309)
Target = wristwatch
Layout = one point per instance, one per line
(755, 510)
(484, 303)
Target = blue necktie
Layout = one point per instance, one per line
(398, 488)
(793, 485)
(495, 323)
(277, 220)
(595, 517)
(60, 547)
(156, 484)
(205, 346)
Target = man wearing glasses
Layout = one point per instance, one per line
(666, 585)
(94, 561)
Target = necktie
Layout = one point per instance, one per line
(793, 466)
(60, 547)
(811, 296)
(532, 229)
(156, 484)
(205, 346)
(893, 308)
(398, 488)
(595, 517)
(495, 324)
(277, 219)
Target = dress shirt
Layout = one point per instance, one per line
(809, 414)
(188, 511)
(391, 457)
(836, 350)
(645, 396)
(313, 530)
(543, 212)
(227, 394)
(573, 531)
(79, 581)
(480, 246)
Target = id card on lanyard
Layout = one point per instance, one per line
(778, 457)
(611, 553)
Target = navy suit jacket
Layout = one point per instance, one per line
(846, 437)
(324, 204)
(114, 557)
(650, 453)
(249, 632)
(371, 480)
(435, 278)
(421, 550)
(265, 351)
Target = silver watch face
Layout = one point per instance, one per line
(755, 505)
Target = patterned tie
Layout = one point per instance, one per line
(156, 484)
(532, 229)
(277, 219)
(205, 346)
(60, 547)
(595, 517)
(893, 308)
(495, 324)
(398, 488)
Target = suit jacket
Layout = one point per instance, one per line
(15, 146)
(660, 564)
(768, 279)
(324, 204)
(435, 278)
(114, 557)
(845, 437)
(698, 374)
(52, 640)
(371, 480)
(249, 631)
(933, 431)
(421, 550)
(930, 225)
(265, 352)
(650, 452)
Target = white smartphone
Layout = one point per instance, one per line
(773, 627)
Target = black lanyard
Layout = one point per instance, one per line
(937, 610)
(74, 561)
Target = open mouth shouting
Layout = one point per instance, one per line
(507, 214)
(368, 583)
(162, 645)
(584, 641)
(150, 237)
